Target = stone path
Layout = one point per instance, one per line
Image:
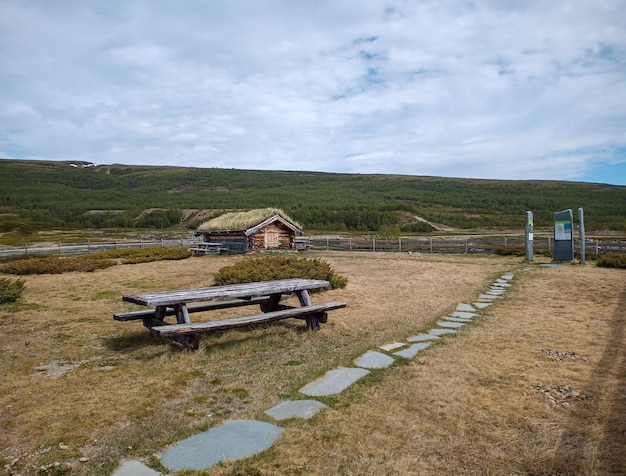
(236, 439)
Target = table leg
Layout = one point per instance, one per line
(304, 298)
(158, 319)
(272, 303)
(182, 314)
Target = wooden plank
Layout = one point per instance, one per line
(143, 314)
(224, 324)
(244, 290)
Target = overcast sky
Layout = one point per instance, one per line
(516, 89)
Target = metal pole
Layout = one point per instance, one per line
(529, 236)
(581, 230)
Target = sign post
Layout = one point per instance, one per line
(563, 236)
(529, 236)
(581, 231)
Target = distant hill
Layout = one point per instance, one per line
(42, 194)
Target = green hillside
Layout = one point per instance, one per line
(40, 195)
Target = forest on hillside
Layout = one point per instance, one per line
(38, 195)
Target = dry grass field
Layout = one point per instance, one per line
(537, 385)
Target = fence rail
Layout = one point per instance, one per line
(444, 245)
(75, 249)
(452, 245)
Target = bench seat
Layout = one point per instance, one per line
(147, 314)
(189, 334)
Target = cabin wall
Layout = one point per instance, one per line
(274, 237)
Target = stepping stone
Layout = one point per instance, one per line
(451, 325)
(488, 296)
(393, 346)
(295, 409)
(135, 468)
(456, 319)
(493, 290)
(333, 381)
(502, 284)
(482, 305)
(374, 360)
(465, 308)
(232, 440)
(440, 332)
(507, 276)
(464, 315)
(423, 337)
(412, 351)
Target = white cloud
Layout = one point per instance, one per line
(495, 90)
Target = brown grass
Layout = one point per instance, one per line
(475, 403)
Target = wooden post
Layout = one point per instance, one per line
(431, 245)
(399, 244)
(60, 250)
(373, 244)
(466, 244)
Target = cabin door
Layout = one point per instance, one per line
(272, 240)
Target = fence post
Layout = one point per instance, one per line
(597, 246)
(466, 245)
(25, 249)
(431, 245)
(399, 245)
(506, 243)
(327, 244)
(350, 244)
(373, 244)
(60, 250)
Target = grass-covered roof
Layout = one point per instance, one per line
(244, 220)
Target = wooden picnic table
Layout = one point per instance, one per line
(267, 294)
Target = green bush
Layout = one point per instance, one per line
(10, 289)
(143, 255)
(93, 261)
(612, 260)
(270, 268)
(54, 265)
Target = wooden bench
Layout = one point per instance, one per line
(170, 311)
(206, 247)
(190, 334)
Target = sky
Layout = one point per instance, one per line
(516, 89)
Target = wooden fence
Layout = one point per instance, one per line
(452, 245)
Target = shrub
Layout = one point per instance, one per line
(54, 265)
(279, 267)
(612, 260)
(92, 262)
(10, 289)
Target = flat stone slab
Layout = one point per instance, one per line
(456, 319)
(295, 409)
(423, 338)
(464, 315)
(507, 276)
(502, 284)
(374, 360)
(488, 296)
(482, 305)
(496, 291)
(465, 308)
(412, 351)
(136, 468)
(392, 346)
(441, 332)
(451, 325)
(333, 382)
(232, 440)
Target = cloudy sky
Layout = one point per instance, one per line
(516, 89)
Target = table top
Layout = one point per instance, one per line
(229, 291)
